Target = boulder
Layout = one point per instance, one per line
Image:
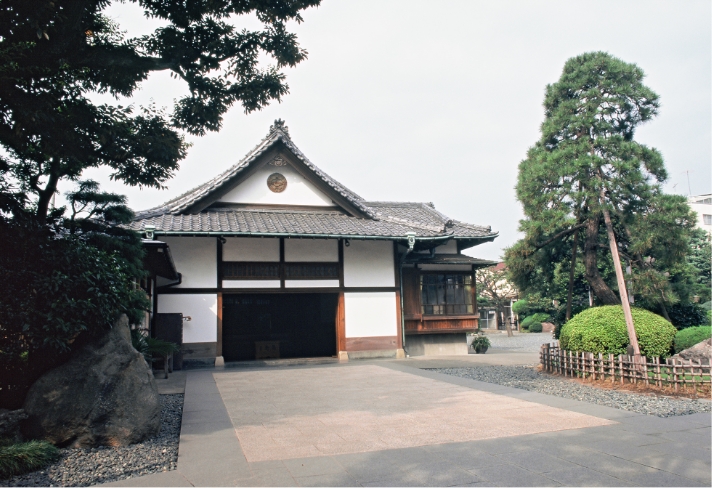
(702, 351)
(104, 395)
(10, 423)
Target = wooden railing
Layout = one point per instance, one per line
(674, 372)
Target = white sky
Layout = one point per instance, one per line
(439, 101)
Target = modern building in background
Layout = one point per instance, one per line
(702, 204)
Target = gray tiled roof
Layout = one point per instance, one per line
(312, 222)
(278, 133)
(416, 258)
(385, 219)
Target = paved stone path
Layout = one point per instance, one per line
(293, 413)
(609, 448)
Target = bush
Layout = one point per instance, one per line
(536, 327)
(524, 326)
(603, 329)
(691, 336)
(684, 315)
(537, 317)
(520, 307)
(56, 291)
(23, 457)
(480, 341)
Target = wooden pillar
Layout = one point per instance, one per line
(219, 361)
(340, 309)
(399, 309)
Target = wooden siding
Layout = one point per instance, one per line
(417, 323)
(431, 325)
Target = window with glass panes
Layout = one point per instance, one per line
(446, 294)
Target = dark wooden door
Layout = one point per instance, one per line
(301, 323)
(169, 327)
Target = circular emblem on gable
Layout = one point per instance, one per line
(276, 182)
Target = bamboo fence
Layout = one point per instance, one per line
(675, 372)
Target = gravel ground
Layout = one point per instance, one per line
(527, 378)
(84, 467)
(529, 342)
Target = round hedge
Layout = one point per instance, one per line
(603, 329)
(536, 327)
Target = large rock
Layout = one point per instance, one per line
(104, 395)
(702, 351)
(10, 423)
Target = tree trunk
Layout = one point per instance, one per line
(45, 197)
(502, 321)
(593, 277)
(665, 312)
(571, 277)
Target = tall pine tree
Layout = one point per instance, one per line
(587, 176)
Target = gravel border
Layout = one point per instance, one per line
(527, 378)
(85, 467)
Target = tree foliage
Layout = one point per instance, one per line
(494, 290)
(699, 258)
(585, 163)
(54, 54)
(57, 290)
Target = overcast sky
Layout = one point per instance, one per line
(439, 101)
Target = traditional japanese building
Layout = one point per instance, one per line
(275, 258)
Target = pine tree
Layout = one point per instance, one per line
(587, 176)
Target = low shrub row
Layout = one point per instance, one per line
(536, 327)
(692, 335)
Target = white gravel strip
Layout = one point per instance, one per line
(84, 467)
(527, 378)
(528, 342)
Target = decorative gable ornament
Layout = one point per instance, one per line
(278, 161)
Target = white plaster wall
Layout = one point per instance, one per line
(251, 283)
(298, 192)
(445, 267)
(320, 250)
(449, 248)
(203, 311)
(311, 283)
(369, 263)
(370, 314)
(251, 249)
(195, 259)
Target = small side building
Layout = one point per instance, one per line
(277, 259)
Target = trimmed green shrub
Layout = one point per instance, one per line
(537, 317)
(23, 457)
(524, 326)
(520, 307)
(536, 327)
(691, 336)
(684, 315)
(603, 329)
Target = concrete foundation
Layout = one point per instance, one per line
(436, 345)
(375, 354)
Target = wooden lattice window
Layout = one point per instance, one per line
(311, 271)
(250, 271)
(446, 294)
